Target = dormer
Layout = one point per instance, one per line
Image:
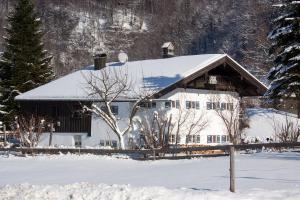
(167, 50)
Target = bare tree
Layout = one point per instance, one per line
(30, 129)
(108, 86)
(196, 125)
(155, 128)
(287, 130)
(158, 128)
(229, 113)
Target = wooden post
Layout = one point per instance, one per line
(4, 130)
(232, 169)
(51, 133)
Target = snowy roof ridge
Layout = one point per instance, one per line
(156, 74)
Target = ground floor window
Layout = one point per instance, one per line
(193, 139)
(77, 141)
(108, 143)
(217, 138)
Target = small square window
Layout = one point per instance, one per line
(115, 110)
(153, 104)
(167, 104)
(216, 105)
(229, 106)
(114, 143)
(102, 143)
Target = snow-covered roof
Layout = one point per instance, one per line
(155, 74)
(167, 44)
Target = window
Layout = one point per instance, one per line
(173, 104)
(193, 103)
(208, 105)
(223, 106)
(115, 110)
(172, 138)
(188, 138)
(194, 138)
(107, 143)
(114, 143)
(209, 139)
(198, 139)
(77, 141)
(188, 104)
(216, 105)
(167, 104)
(218, 139)
(229, 106)
(197, 105)
(177, 104)
(153, 105)
(224, 138)
(102, 143)
(178, 139)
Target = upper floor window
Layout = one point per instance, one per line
(167, 104)
(223, 106)
(177, 104)
(229, 106)
(188, 104)
(197, 105)
(208, 105)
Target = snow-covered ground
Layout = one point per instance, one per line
(262, 122)
(266, 175)
(259, 176)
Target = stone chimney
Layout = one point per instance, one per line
(167, 50)
(100, 61)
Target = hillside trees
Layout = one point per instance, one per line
(24, 64)
(285, 75)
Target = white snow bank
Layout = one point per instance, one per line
(261, 122)
(126, 192)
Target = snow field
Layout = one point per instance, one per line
(87, 191)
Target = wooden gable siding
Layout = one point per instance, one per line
(232, 76)
(66, 112)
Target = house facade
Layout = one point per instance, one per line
(193, 88)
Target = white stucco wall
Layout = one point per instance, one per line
(100, 131)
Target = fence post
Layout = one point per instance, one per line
(232, 169)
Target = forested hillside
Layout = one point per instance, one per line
(77, 29)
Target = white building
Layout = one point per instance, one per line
(198, 85)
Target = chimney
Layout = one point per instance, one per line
(167, 50)
(100, 61)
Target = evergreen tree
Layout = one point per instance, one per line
(285, 75)
(24, 64)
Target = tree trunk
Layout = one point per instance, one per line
(298, 107)
(121, 142)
